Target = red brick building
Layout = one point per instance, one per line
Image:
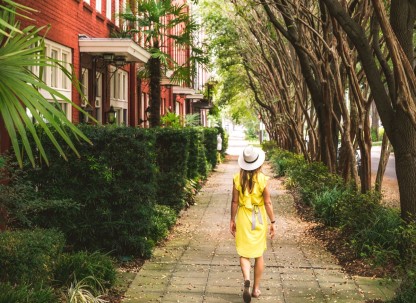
(79, 34)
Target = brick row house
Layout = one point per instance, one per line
(80, 35)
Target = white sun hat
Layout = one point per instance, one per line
(251, 158)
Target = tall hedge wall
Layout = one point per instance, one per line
(114, 182)
(196, 157)
(123, 193)
(210, 143)
(172, 149)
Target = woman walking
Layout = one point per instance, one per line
(250, 207)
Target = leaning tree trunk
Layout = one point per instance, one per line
(384, 159)
(155, 76)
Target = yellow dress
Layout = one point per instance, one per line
(251, 219)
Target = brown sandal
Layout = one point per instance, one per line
(246, 292)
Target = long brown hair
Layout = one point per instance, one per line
(247, 179)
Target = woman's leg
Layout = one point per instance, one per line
(258, 272)
(245, 267)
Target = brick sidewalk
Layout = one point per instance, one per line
(199, 262)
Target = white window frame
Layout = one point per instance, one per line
(119, 93)
(109, 12)
(62, 83)
(99, 5)
(117, 12)
(88, 1)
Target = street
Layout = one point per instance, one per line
(391, 165)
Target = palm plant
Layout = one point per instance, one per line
(20, 50)
(156, 19)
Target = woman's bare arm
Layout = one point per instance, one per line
(234, 207)
(269, 209)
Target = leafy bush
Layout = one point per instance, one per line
(164, 219)
(283, 160)
(210, 144)
(407, 290)
(326, 206)
(373, 231)
(80, 265)
(106, 199)
(114, 184)
(312, 179)
(26, 208)
(25, 294)
(29, 253)
(380, 237)
(172, 148)
(196, 157)
(171, 119)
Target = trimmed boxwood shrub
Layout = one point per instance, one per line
(105, 200)
(172, 149)
(210, 144)
(114, 182)
(29, 256)
(196, 153)
(80, 265)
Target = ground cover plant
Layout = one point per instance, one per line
(375, 234)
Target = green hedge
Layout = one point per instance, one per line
(114, 184)
(210, 144)
(106, 199)
(172, 149)
(29, 256)
(196, 158)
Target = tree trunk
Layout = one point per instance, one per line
(402, 19)
(397, 124)
(155, 76)
(405, 155)
(384, 158)
(375, 119)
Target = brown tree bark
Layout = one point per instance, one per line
(396, 115)
(384, 158)
(375, 121)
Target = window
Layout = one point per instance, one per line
(99, 97)
(65, 81)
(98, 4)
(54, 77)
(54, 70)
(119, 93)
(123, 9)
(84, 87)
(87, 1)
(108, 9)
(117, 12)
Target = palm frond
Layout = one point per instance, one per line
(20, 90)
